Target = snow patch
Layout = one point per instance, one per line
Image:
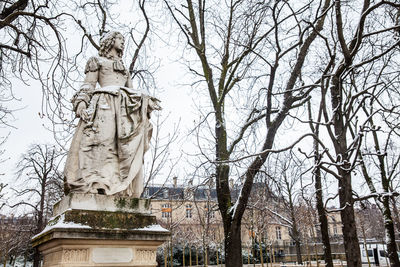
(58, 222)
(153, 227)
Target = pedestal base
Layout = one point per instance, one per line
(84, 252)
(90, 237)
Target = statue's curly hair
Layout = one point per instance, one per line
(107, 43)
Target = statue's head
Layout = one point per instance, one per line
(107, 43)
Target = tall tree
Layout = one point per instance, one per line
(315, 124)
(354, 48)
(260, 46)
(379, 150)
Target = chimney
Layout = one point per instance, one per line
(175, 181)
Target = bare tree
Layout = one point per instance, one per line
(352, 47)
(381, 154)
(246, 51)
(287, 182)
(15, 237)
(161, 163)
(41, 184)
(32, 47)
(266, 210)
(317, 180)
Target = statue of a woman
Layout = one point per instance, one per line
(106, 154)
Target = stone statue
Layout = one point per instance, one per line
(107, 150)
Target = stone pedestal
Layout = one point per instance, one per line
(99, 230)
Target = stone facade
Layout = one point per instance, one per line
(178, 206)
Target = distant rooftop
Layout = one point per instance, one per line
(180, 192)
(197, 192)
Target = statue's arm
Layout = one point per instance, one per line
(81, 99)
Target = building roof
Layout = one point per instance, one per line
(180, 193)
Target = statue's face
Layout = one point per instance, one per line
(119, 42)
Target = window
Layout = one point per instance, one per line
(335, 232)
(369, 253)
(208, 211)
(189, 211)
(278, 233)
(166, 210)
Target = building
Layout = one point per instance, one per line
(192, 215)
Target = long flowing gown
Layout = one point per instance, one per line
(107, 150)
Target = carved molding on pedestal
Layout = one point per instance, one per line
(66, 256)
(146, 255)
(75, 255)
(52, 258)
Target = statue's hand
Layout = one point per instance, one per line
(81, 111)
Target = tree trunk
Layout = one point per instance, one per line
(36, 258)
(25, 258)
(387, 214)
(349, 229)
(233, 248)
(395, 216)
(389, 233)
(322, 218)
(298, 251)
(323, 221)
(346, 202)
(295, 231)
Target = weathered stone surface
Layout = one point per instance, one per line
(96, 202)
(87, 252)
(77, 224)
(100, 234)
(114, 131)
(109, 220)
